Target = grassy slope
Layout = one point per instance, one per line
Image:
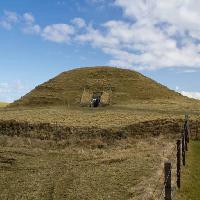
(191, 174)
(126, 85)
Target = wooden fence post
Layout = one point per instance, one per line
(183, 149)
(186, 127)
(178, 172)
(188, 132)
(167, 167)
(185, 137)
(197, 130)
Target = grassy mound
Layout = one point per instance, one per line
(67, 88)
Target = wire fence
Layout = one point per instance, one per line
(172, 168)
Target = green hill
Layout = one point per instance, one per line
(125, 86)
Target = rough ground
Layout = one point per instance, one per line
(32, 169)
(54, 152)
(107, 117)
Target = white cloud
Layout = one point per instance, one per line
(32, 29)
(142, 45)
(15, 86)
(58, 33)
(96, 38)
(181, 13)
(11, 17)
(159, 34)
(177, 88)
(5, 25)
(4, 88)
(54, 32)
(8, 20)
(29, 18)
(194, 95)
(26, 20)
(79, 22)
(18, 85)
(189, 71)
(12, 90)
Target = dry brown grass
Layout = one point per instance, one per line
(126, 85)
(34, 169)
(86, 98)
(2, 104)
(106, 98)
(127, 169)
(108, 117)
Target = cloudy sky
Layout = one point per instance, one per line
(39, 39)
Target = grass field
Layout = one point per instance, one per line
(191, 174)
(114, 116)
(33, 169)
(47, 169)
(2, 104)
(128, 169)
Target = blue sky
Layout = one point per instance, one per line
(40, 39)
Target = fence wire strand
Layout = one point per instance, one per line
(172, 156)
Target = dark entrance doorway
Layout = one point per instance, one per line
(96, 99)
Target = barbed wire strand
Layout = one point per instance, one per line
(171, 154)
